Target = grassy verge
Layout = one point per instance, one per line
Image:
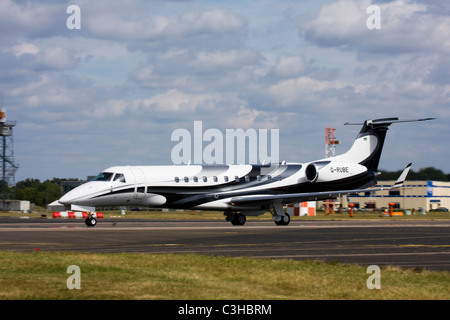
(42, 275)
(214, 215)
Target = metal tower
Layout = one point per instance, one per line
(330, 142)
(8, 168)
(330, 151)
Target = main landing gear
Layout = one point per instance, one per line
(281, 220)
(280, 217)
(236, 219)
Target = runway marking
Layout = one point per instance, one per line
(231, 229)
(426, 245)
(355, 255)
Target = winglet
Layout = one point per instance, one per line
(402, 178)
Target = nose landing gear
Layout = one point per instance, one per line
(90, 221)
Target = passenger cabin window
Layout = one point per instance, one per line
(186, 179)
(177, 179)
(119, 177)
(195, 179)
(225, 178)
(236, 178)
(215, 179)
(247, 178)
(103, 176)
(205, 179)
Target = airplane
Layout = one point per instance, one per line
(241, 190)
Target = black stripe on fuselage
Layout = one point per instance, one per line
(186, 200)
(190, 195)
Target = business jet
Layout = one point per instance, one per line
(242, 190)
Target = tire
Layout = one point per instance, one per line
(90, 222)
(284, 221)
(238, 219)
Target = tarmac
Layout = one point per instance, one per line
(412, 244)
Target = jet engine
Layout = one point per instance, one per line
(331, 171)
(312, 172)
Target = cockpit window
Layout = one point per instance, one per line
(119, 177)
(103, 176)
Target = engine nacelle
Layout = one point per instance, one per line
(312, 172)
(320, 172)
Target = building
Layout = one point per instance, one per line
(17, 205)
(414, 195)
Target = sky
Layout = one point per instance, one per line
(113, 91)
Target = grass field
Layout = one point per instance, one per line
(215, 215)
(43, 275)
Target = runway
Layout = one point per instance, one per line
(424, 244)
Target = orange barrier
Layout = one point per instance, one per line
(76, 215)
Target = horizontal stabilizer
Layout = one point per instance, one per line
(387, 121)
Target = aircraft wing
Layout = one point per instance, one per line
(312, 196)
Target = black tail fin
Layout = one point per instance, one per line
(367, 148)
(377, 128)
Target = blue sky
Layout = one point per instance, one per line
(113, 92)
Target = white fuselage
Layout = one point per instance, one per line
(203, 187)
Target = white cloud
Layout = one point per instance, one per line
(246, 118)
(170, 102)
(291, 92)
(175, 101)
(288, 67)
(18, 18)
(55, 58)
(138, 69)
(156, 27)
(406, 26)
(219, 60)
(25, 48)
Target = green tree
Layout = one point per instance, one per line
(428, 173)
(40, 193)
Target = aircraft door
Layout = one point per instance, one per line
(140, 184)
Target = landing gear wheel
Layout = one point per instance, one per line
(238, 219)
(284, 221)
(91, 222)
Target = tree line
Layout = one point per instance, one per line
(428, 173)
(37, 192)
(43, 193)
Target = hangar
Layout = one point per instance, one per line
(415, 194)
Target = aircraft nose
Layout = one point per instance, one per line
(76, 195)
(81, 195)
(67, 199)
